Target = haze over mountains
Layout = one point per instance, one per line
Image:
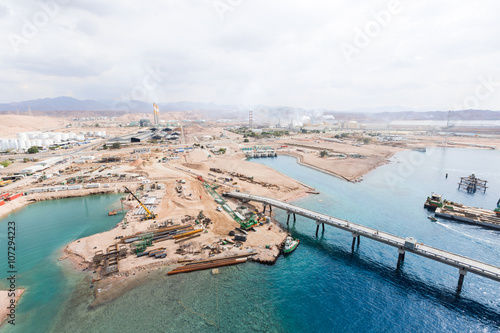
(66, 104)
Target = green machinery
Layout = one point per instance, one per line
(244, 224)
(144, 241)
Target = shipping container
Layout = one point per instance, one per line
(5, 195)
(15, 196)
(2, 202)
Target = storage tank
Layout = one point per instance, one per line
(80, 137)
(72, 135)
(5, 144)
(22, 144)
(46, 142)
(22, 136)
(64, 136)
(57, 138)
(38, 142)
(13, 144)
(43, 136)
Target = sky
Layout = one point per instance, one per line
(335, 55)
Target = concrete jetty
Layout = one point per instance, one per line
(403, 245)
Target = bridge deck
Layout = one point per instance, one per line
(452, 259)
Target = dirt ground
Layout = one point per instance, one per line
(5, 302)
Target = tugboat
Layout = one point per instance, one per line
(432, 218)
(290, 244)
(434, 202)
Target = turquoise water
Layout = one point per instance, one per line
(322, 286)
(42, 231)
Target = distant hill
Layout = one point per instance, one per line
(66, 105)
(54, 104)
(432, 115)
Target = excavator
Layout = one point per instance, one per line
(149, 214)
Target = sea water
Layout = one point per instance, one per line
(323, 286)
(43, 229)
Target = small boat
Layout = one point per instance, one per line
(432, 218)
(290, 244)
(113, 212)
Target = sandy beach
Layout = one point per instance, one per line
(5, 301)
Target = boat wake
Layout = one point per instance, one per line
(484, 240)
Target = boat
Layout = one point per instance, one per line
(434, 202)
(113, 212)
(290, 244)
(432, 218)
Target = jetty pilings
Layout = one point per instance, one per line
(408, 244)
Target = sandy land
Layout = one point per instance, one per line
(459, 141)
(355, 162)
(194, 199)
(266, 240)
(10, 125)
(196, 133)
(5, 301)
(247, 177)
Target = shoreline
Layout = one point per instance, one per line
(108, 288)
(33, 198)
(300, 160)
(5, 301)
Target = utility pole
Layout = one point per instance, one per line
(447, 129)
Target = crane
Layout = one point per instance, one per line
(149, 214)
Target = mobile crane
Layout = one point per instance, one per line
(149, 215)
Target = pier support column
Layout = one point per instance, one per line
(323, 226)
(401, 257)
(264, 209)
(270, 208)
(359, 239)
(294, 218)
(288, 218)
(354, 236)
(317, 228)
(463, 273)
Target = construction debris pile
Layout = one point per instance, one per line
(109, 260)
(211, 263)
(242, 177)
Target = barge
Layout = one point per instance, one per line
(455, 211)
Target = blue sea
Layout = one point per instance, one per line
(322, 287)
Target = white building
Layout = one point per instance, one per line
(353, 124)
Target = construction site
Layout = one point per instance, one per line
(171, 181)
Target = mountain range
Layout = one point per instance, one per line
(211, 110)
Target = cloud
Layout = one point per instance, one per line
(428, 55)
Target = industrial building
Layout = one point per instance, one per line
(25, 140)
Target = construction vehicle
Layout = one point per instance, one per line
(149, 215)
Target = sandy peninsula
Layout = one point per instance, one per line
(6, 299)
(180, 181)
